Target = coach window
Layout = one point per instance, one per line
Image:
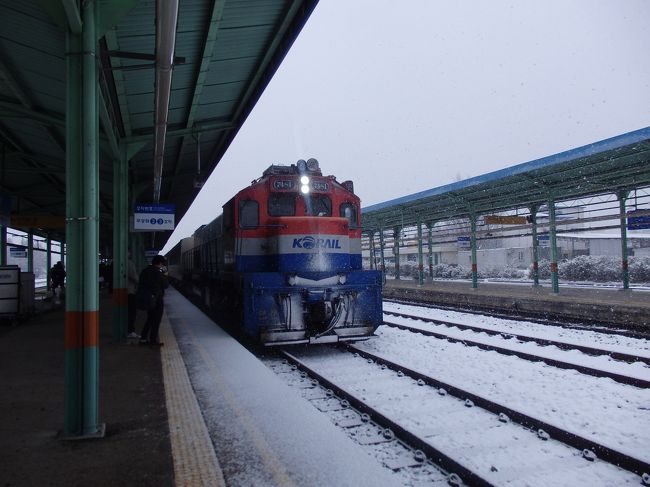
(349, 211)
(319, 205)
(249, 214)
(282, 204)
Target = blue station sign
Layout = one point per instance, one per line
(464, 243)
(153, 217)
(638, 220)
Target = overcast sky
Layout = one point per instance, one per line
(405, 96)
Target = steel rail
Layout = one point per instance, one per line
(505, 316)
(610, 455)
(583, 369)
(445, 462)
(626, 357)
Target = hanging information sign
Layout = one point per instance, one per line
(638, 220)
(464, 243)
(153, 217)
(17, 252)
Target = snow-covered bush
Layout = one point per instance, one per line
(591, 268)
(639, 269)
(543, 269)
(507, 273)
(581, 268)
(596, 268)
(447, 271)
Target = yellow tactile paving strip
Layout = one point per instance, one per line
(195, 463)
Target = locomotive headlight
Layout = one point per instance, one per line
(304, 180)
(291, 280)
(342, 278)
(304, 188)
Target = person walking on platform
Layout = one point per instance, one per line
(149, 296)
(132, 278)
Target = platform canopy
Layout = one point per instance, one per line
(225, 54)
(609, 166)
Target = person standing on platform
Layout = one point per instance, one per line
(132, 278)
(151, 289)
(57, 275)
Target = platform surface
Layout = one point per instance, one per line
(202, 410)
(136, 449)
(263, 432)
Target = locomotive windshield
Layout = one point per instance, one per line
(318, 205)
(282, 204)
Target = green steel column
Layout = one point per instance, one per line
(3, 245)
(136, 242)
(3, 228)
(48, 260)
(396, 244)
(381, 249)
(81, 395)
(420, 257)
(430, 244)
(472, 221)
(622, 197)
(553, 241)
(141, 245)
(30, 251)
(120, 246)
(533, 218)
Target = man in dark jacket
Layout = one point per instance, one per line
(153, 280)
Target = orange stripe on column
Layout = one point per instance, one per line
(121, 297)
(81, 329)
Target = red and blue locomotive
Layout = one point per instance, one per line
(287, 252)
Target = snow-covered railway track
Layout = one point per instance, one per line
(600, 327)
(626, 357)
(480, 446)
(541, 427)
(505, 350)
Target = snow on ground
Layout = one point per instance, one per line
(501, 453)
(638, 370)
(614, 343)
(602, 410)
